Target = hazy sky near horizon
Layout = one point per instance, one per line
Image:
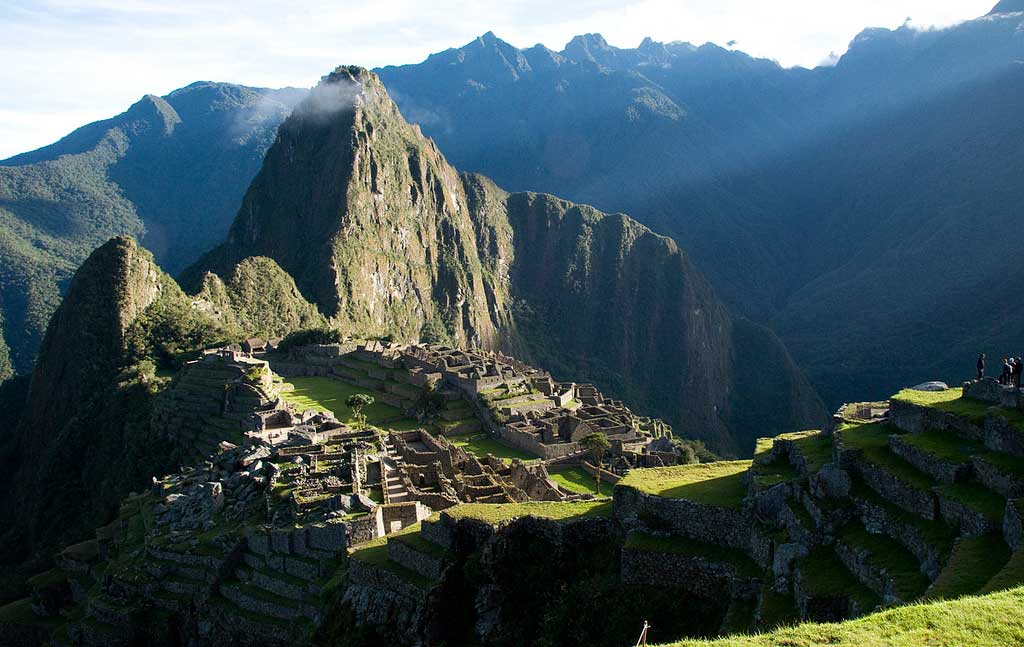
(70, 62)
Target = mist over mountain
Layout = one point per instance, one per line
(890, 179)
(170, 170)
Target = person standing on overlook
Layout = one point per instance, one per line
(981, 366)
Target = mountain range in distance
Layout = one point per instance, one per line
(799, 193)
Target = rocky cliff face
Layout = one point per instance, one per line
(386, 237)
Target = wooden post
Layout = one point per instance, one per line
(643, 635)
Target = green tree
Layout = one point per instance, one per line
(597, 444)
(356, 402)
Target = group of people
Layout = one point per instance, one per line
(1010, 375)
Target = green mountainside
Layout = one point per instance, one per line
(169, 171)
(386, 238)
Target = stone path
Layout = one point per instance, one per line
(396, 492)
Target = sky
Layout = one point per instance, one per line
(71, 62)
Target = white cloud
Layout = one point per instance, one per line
(72, 61)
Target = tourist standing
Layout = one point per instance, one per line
(981, 366)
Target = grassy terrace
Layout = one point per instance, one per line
(329, 394)
(935, 533)
(816, 449)
(718, 484)
(375, 552)
(976, 497)
(944, 446)
(575, 479)
(952, 401)
(823, 574)
(971, 565)
(872, 440)
(683, 546)
(481, 445)
(890, 556)
(1011, 575)
(496, 513)
(989, 621)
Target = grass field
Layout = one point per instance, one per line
(498, 512)
(971, 565)
(575, 479)
(329, 394)
(989, 621)
(719, 484)
(480, 445)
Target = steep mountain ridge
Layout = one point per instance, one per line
(792, 189)
(366, 215)
(381, 233)
(85, 408)
(170, 170)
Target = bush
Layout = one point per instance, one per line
(311, 337)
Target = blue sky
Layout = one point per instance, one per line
(69, 62)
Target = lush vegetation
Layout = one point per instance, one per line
(719, 484)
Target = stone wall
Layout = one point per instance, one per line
(698, 575)
(529, 442)
(704, 523)
(916, 418)
(944, 471)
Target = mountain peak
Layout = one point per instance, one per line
(155, 109)
(1008, 6)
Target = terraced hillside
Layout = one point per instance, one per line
(906, 513)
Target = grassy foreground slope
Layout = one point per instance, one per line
(988, 621)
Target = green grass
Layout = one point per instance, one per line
(676, 545)
(891, 556)
(481, 445)
(945, 446)
(575, 479)
(559, 511)
(872, 440)
(779, 471)
(971, 565)
(417, 542)
(989, 621)
(976, 497)
(329, 394)
(777, 609)
(1009, 576)
(823, 574)
(718, 484)
(816, 450)
(929, 398)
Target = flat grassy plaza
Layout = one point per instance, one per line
(329, 394)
